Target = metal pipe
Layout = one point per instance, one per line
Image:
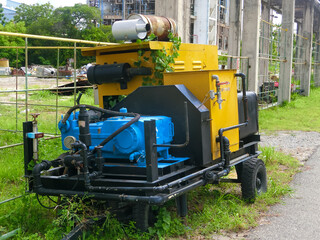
(17, 85)
(26, 76)
(123, 9)
(34, 104)
(186, 129)
(244, 95)
(75, 73)
(10, 234)
(245, 123)
(57, 81)
(162, 188)
(20, 144)
(43, 89)
(54, 38)
(11, 199)
(41, 47)
(153, 200)
(84, 156)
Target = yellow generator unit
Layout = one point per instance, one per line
(160, 141)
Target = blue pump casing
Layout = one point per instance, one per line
(130, 143)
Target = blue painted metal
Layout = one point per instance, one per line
(130, 143)
(33, 135)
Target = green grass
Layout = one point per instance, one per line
(302, 113)
(48, 114)
(213, 209)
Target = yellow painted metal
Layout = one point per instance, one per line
(54, 38)
(201, 83)
(192, 57)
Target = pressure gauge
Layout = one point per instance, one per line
(68, 141)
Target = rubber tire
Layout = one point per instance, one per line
(253, 179)
(140, 214)
(239, 170)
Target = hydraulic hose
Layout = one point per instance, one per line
(135, 116)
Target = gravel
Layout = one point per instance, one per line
(287, 220)
(298, 144)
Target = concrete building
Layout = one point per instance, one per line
(114, 10)
(271, 55)
(199, 21)
(9, 7)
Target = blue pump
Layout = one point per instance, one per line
(130, 143)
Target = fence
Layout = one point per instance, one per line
(269, 62)
(298, 60)
(240, 63)
(22, 95)
(315, 81)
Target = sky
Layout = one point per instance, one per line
(55, 3)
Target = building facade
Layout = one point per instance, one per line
(9, 7)
(199, 21)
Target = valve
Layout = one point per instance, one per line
(35, 135)
(218, 93)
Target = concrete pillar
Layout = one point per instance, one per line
(264, 44)
(250, 40)
(307, 32)
(234, 38)
(286, 50)
(298, 56)
(316, 71)
(205, 22)
(179, 10)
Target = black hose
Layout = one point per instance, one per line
(135, 116)
(37, 195)
(115, 113)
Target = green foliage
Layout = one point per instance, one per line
(161, 59)
(29, 13)
(79, 22)
(2, 17)
(11, 54)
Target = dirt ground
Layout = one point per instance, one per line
(11, 83)
(19, 83)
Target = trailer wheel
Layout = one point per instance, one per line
(140, 214)
(239, 170)
(253, 179)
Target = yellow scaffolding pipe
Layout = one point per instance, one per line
(54, 38)
(41, 47)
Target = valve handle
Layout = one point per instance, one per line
(223, 83)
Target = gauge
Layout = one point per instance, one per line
(68, 141)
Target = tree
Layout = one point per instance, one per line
(71, 21)
(2, 17)
(12, 41)
(77, 22)
(29, 14)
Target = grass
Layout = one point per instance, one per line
(302, 113)
(213, 209)
(45, 104)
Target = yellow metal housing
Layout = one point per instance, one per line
(203, 85)
(194, 68)
(192, 57)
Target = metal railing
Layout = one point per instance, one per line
(21, 95)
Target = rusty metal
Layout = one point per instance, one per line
(159, 26)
